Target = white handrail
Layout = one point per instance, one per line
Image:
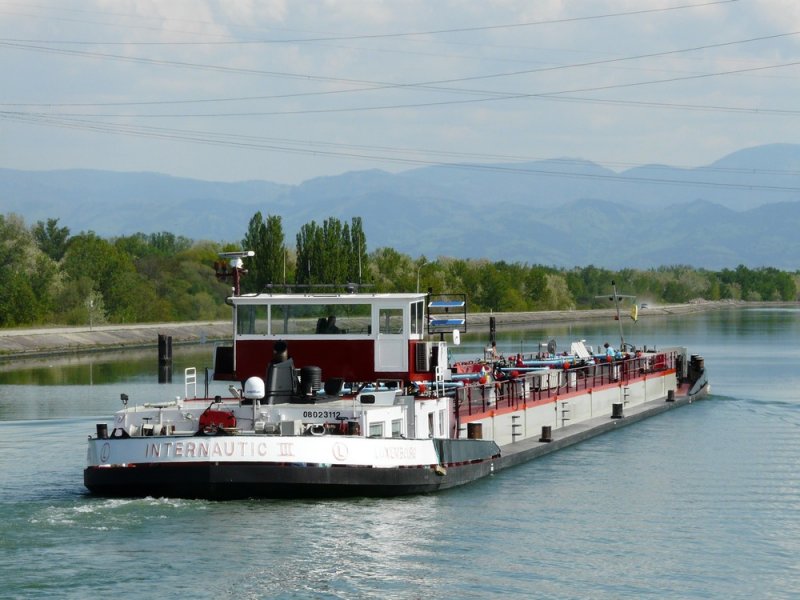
(189, 379)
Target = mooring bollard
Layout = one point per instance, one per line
(164, 358)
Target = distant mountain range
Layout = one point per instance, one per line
(742, 209)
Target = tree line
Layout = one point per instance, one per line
(50, 276)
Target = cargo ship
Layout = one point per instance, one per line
(356, 394)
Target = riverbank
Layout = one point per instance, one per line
(16, 343)
(511, 319)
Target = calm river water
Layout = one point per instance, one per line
(700, 502)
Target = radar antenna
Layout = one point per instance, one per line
(236, 265)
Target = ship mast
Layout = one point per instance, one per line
(237, 268)
(615, 298)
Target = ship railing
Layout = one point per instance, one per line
(527, 389)
(190, 382)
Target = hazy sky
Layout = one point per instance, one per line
(286, 90)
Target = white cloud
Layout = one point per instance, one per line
(243, 12)
(782, 13)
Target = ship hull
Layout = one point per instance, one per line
(462, 461)
(242, 480)
(445, 463)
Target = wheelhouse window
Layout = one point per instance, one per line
(390, 320)
(252, 319)
(417, 317)
(310, 319)
(376, 430)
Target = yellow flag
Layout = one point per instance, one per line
(635, 312)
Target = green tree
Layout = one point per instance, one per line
(335, 244)
(168, 244)
(309, 254)
(255, 239)
(786, 287)
(276, 255)
(113, 275)
(331, 254)
(80, 303)
(51, 239)
(142, 245)
(676, 292)
(558, 292)
(389, 267)
(17, 301)
(358, 259)
(537, 292)
(27, 275)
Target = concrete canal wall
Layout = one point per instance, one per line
(62, 340)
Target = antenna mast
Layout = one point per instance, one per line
(616, 306)
(237, 268)
(615, 298)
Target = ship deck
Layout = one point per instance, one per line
(519, 452)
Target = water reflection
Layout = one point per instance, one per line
(90, 384)
(98, 368)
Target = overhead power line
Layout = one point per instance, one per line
(371, 85)
(495, 96)
(383, 154)
(431, 32)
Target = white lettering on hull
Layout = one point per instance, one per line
(340, 451)
(396, 452)
(384, 452)
(285, 449)
(214, 449)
